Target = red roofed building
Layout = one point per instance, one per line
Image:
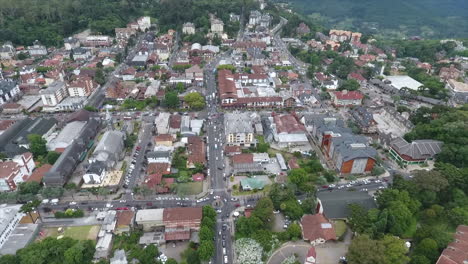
(317, 229)
(232, 150)
(457, 251)
(289, 124)
(159, 168)
(196, 151)
(15, 171)
(367, 57)
(125, 221)
(39, 173)
(180, 221)
(244, 158)
(227, 87)
(292, 164)
(153, 180)
(346, 98)
(358, 77)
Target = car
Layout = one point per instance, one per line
(224, 243)
(237, 205)
(138, 148)
(225, 259)
(224, 237)
(224, 227)
(72, 203)
(109, 205)
(285, 226)
(219, 211)
(234, 199)
(123, 201)
(325, 186)
(122, 208)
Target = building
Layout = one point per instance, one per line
(447, 73)
(144, 23)
(125, 221)
(335, 205)
(98, 41)
(37, 49)
(109, 149)
(457, 251)
(14, 141)
(346, 98)
(10, 216)
(254, 17)
(164, 140)
(402, 81)
(311, 257)
(343, 36)
(71, 43)
(95, 173)
(7, 51)
(285, 130)
(317, 229)
(75, 153)
(81, 53)
(9, 90)
(302, 29)
(217, 26)
(81, 87)
(416, 152)
(188, 28)
(179, 222)
(119, 257)
(66, 136)
(459, 91)
(239, 129)
(244, 162)
(54, 93)
(364, 119)
(196, 150)
(250, 184)
(15, 171)
(194, 73)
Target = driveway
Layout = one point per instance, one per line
(288, 249)
(330, 252)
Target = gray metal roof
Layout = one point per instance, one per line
(418, 149)
(238, 122)
(335, 204)
(7, 85)
(96, 167)
(362, 116)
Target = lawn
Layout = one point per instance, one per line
(340, 227)
(189, 188)
(266, 191)
(75, 232)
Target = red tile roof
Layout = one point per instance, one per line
(292, 163)
(317, 226)
(174, 121)
(161, 168)
(288, 123)
(125, 217)
(153, 180)
(5, 124)
(177, 235)
(349, 95)
(39, 173)
(242, 158)
(176, 214)
(227, 87)
(163, 137)
(196, 150)
(232, 149)
(457, 251)
(356, 76)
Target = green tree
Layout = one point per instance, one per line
(52, 192)
(30, 207)
(292, 209)
(171, 100)
(294, 231)
(29, 188)
(458, 216)
(389, 250)
(206, 250)
(350, 85)
(37, 145)
(52, 157)
(195, 101)
(99, 77)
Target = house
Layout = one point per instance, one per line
(15, 171)
(98, 41)
(302, 29)
(144, 23)
(351, 156)
(457, 251)
(123, 34)
(335, 205)
(232, 150)
(364, 119)
(95, 173)
(162, 123)
(194, 73)
(81, 53)
(7, 51)
(164, 140)
(5, 125)
(254, 17)
(188, 28)
(451, 72)
(217, 26)
(343, 35)
(346, 98)
(162, 168)
(239, 130)
(66, 136)
(196, 150)
(160, 156)
(12, 108)
(140, 59)
(37, 49)
(129, 74)
(357, 77)
(75, 153)
(39, 173)
(250, 184)
(459, 91)
(54, 94)
(9, 90)
(179, 222)
(317, 229)
(416, 152)
(71, 43)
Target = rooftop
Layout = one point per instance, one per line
(335, 204)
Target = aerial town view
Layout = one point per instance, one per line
(233, 132)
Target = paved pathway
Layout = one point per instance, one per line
(299, 248)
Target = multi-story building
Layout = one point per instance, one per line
(98, 41)
(82, 86)
(10, 216)
(217, 26)
(343, 35)
(347, 98)
(71, 43)
(239, 129)
(7, 51)
(416, 152)
(54, 93)
(37, 49)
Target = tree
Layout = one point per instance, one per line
(292, 209)
(206, 250)
(195, 101)
(52, 192)
(37, 145)
(29, 188)
(52, 157)
(30, 207)
(358, 219)
(350, 85)
(99, 77)
(206, 233)
(428, 248)
(264, 210)
(389, 250)
(458, 216)
(171, 100)
(400, 218)
(294, 231)
(169, 261)
(297, 176)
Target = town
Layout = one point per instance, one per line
(250, 137)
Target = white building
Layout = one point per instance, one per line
(144, 23)
(188, 28)
(15, 171)
(54, 94)
(8, 91)
(37, 49)
(403, 81)
(69, 133)
(95, 173)
(9, 218)
(239, 129)
(217, 26)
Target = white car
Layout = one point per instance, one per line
(72, 203)
(225, 259)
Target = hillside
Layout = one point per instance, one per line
(394, 18)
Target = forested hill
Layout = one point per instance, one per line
(23, 21)
(394, 18)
